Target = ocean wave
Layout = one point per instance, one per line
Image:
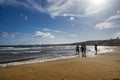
(36, 55)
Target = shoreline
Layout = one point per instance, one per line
(32, 60)
(101, 67)
(16, 60)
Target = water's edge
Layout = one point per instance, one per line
(20, 56)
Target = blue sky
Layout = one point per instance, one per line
(58, 21)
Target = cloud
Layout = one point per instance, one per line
(14, 3)
(92, 10)
(118, 12)
(72, 8)
(31, 4)
(36, 5)
(104, 25)
(3, 34)
(117, 34)
(113, 18)
(12, 35)
(52, 30)
(95, 6)
(46, 29)
(26, 17)
(73, 35)
(43, 35)
(72, 18)
(111, 22)
(59, 31)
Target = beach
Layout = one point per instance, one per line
(100, 67)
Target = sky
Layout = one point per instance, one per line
(58, 21)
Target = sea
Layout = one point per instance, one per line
(13, 56)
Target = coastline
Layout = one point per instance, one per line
(101, 67)
(58, 54)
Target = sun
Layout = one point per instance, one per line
(98, 2)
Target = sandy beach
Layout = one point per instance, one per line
(101, 67)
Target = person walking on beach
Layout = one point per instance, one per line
(84, 47)
(82, 50)
(95, 49)
(77, 50)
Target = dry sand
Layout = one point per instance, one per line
(101, 67)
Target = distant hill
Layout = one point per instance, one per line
(110, 42)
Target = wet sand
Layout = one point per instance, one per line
(101, 67)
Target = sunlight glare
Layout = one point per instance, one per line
(98, 2)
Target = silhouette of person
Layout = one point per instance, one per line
(77, 50)
(95, 49)
(84, 49)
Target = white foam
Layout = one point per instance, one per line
(39, 60)
(12, 48)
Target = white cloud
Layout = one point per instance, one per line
(96, 6)
(43, 35)
(73, 35)
(113, 17)
(54, 31)
(36, 5)
(31, 4)
(75, 8)
(14, 3)
(104, 25)
(117, 34)
(46, 29)
(66, 8)
(59, 31)
(72, 18)
(92, 10)
(109, 23)
(72, 8)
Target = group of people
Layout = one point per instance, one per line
(83, 50)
